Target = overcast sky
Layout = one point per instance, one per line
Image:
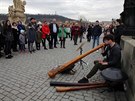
(91, 9)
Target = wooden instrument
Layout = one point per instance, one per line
(65, 89)
(54, 83)
(68, 64)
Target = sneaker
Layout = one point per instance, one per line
(72, 72)
(45, 48)
(8, 57)
(97, 51)
(83, 80)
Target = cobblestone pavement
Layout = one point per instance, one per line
(24, 78)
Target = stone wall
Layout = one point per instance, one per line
(128, 64)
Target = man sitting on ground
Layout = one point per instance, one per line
(112, 52)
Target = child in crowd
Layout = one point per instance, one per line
(22, 40)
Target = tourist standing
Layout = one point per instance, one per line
(68, 30)
(97, 31)
(0, 40)
(16, 37)
(38, 37)
(31, 37)
(22, 40)
(53, 32)
(119, 30)
(90, 32)
(62, 35)
(75, 32)
(8, 39)
(46, 35)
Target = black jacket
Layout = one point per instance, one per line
(8, 34)
(113, 56)
(97, 30)
(118, 32)
(51, 28)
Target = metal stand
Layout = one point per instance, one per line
(81, 61)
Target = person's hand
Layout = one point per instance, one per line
(104, 63)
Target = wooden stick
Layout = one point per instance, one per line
(54, 83)
(65, 89)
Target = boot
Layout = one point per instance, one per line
(83, 80)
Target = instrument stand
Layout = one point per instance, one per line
(82, 61)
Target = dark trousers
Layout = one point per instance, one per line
(71, 37)
(75, 38)
(96, 67)
(68, 35)
(81, 37)
(22, 47)
(37, 46)
(30, 46)
(53, 40)
(8, 45)
(62, 42)
(88, 38)
(15, 45)
(44, 42)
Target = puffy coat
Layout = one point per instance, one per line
(45, 31)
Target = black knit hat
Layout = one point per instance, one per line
(108, 37)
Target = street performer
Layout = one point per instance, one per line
(112, 52)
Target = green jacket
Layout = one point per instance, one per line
(62, 33)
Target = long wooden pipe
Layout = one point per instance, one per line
(52, 73)
(65, 89)
(54, 83)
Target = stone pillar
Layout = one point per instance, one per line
(128, 64)
(128, 17)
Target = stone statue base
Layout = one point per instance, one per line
(16, 12)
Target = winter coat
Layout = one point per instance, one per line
(90, 31)
(75, 30)
(8, 34)
(22, 39)
(31, 35)
(97, 30)
(15, 33)
(21, 27)
(45, 31)
(62, 33)
(51, 28)
(118, 32)
(39, 37)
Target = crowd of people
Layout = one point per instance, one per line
(14, 36)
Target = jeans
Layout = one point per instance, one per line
(95, 38)
(30, 46)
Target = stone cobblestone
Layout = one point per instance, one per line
(24, 77)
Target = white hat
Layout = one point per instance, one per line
(22, 31)
(39, 23)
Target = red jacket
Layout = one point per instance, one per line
(75, 30)
(45, 31)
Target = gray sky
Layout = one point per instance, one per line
(101, 10)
